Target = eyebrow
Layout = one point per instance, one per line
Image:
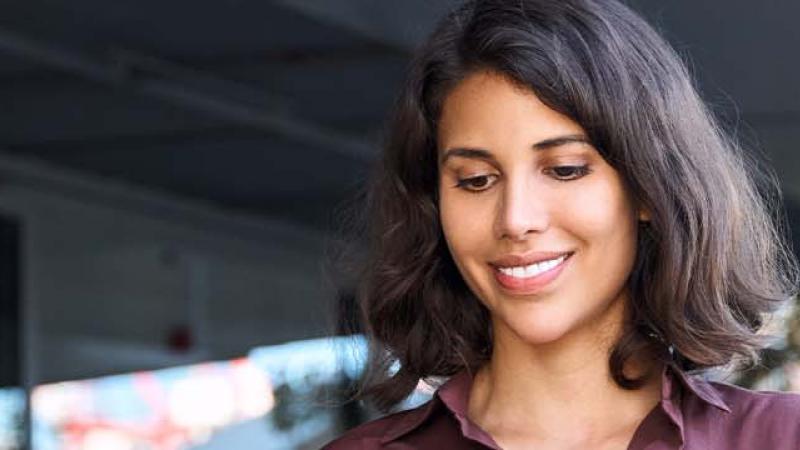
(479, 153)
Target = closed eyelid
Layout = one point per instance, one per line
(467, 167)
(562, 141)
(475, 155)
(544, 146)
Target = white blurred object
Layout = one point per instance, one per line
(107, 440)
(205, 401)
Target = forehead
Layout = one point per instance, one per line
(487, 107)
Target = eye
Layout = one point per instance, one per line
(476, 184)
(567, 173)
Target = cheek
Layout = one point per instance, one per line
(463, 226)
(468, 238)
(604, 218)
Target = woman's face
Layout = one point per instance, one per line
(538, 223)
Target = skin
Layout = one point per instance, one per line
(529, 189)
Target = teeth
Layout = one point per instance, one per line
(533, 269)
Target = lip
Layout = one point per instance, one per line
(532, 285)
(527, 259)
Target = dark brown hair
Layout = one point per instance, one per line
(710, 265)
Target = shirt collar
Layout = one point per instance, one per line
(455, 392)
(698, 386)
(410, 421)
(454, 395)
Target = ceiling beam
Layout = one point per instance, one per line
(187, 88)
(42, 176)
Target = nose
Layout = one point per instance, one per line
(523, 211)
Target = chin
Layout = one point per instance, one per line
(549, 325)
(541, 330)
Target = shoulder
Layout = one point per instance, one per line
(768, 419)
(372, 435)
(764, 404)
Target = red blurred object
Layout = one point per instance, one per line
(180, 339)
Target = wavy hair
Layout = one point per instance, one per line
(710, 266)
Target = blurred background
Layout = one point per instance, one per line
(169, 177)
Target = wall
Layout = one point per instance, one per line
(110, 271)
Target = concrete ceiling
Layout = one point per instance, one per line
(275, 107)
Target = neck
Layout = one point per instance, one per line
(561, 391)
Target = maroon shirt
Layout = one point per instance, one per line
(693, 414)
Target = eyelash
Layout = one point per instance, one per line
(576, 173)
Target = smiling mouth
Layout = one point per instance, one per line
(535, 269)
(530, 278)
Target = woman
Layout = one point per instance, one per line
(560, 227)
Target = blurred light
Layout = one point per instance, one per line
(179, 407)
(12, 410)
(162, 410)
